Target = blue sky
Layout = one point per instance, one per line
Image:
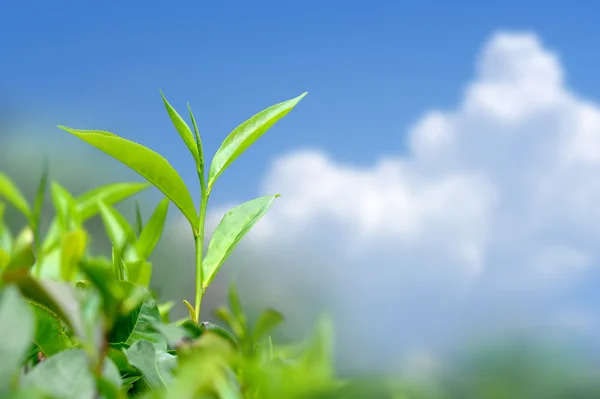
(446, 150)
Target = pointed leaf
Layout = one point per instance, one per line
(139, 272)
(268, 320)
(153, 230)
(191, 311)
(234, 225)
(17, 330)
(117, 228)
(6, 239)
(183, 129)
(235, 303)
(245, 135)
(64, 203)
(139, 222)
(109, 194)
(147, 163)
(64, 375)
(38, 204)
(13, 195)
(198, 144)
(22, 256)
(164, 309)
(156, 366)
(73, 248)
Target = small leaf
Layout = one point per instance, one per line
(4, 259)
(138, 324)
(153, 230)
(139, 272)
(245, 135)
(50, 337)
(64, 375)
(12, 193)
(268, 320)
(6, 239)
(117, 228)
(223, 332)
(73, 248)
(64, 203)
(198, 144)
(147, 163)
(22, 256)
(183, 129)
(109, 194)
(139, 222)
(235, 304)
(232, 228)
(16, 333)
(156, 366)
(164, 309)
(190, 310)
(38, 204)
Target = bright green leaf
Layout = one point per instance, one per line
(245, 135)
(139, 272)
(200, 166)
(64, 203)
(191, 311)
(22, 255)
(13, 195)
(164, 309)
(183, 129)
(147, 163)
(153, 230)
(117, 228)
(234, 225)
(267, 320)
(156, 366)
(16, 333)
(38, 204)
(109, 194)
(73, 248)
(64, 375)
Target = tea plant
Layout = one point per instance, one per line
(77, 325)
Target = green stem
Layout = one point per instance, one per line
(199, 240)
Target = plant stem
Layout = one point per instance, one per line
(199, 240)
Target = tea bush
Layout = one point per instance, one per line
(75, 325)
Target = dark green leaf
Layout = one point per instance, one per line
(234, 225)
(245, 135)
(147, 163)
(50, 337)
(139, 222)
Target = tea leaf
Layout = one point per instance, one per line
(235, 304)
(38, 204)
(164, 309)
(50, 337)
(16, 333)
(268, 320)
(109, 194)
(117, 228)
(13, 195)
(245, 135)
(138, 324)
(183, 129)
(139, 272)
(199, 145)
(147, 163)
(234, 225)
(22, 256)
(139, 223)
(64, 203)
(153, 230)
(64, 375)
(156, 366)
(74, 244)
(190, 309)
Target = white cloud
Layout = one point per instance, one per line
(494, 209)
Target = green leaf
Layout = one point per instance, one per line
(268, 320)
(235, 303)
(138, 324)
(6, 239)
(156, 366)
(153, 230)
(73, 248)
(13, 195)
(59, 297)
(147, 163)
(139, 272)
(109, 194)
(183, 129)
(139, 223)
(164, 309)
(245, 135)
(50, 337)
(191, 311)
(38, 204)
(64, 375)
(198, 144)
(16, 333)
(22, 256)
(64, 203)
(117, 228)
(234, 225)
